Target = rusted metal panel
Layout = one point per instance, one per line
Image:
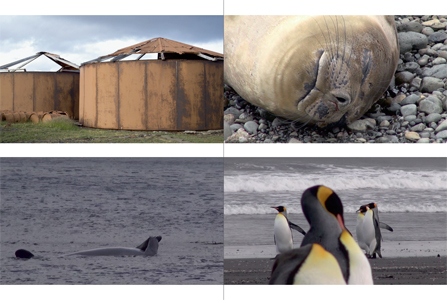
(132, 95)
(81, 94)
(90, 94)
(161, 84)
(76, 96)
(152, 95)
(44, 92)
(6, 91)
(23, 91)
(64, 93)
(159, 45)
(214, 95)
(39, 91)
(107, 97)
(191, 91)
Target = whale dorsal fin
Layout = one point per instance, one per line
(143, 246)
(152, 247)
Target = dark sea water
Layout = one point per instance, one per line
(55, 206)
(411, 194)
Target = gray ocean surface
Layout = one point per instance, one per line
(56, 206)
(411, 194)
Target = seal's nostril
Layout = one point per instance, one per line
(341, 100)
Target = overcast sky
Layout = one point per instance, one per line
(82, 38)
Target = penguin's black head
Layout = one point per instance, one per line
(328, 199)
(362, 209)
(279, 208)
(372, 205)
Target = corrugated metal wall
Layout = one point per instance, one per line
(152, 95)
(40, 91)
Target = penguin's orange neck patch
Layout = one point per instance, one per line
(323, 194)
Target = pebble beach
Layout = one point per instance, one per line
(412, 110)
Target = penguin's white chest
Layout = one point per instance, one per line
(359, 231)
(369, 233)
(283, 234)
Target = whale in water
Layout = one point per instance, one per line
(148, 248)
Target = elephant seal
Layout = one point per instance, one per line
(312, 69)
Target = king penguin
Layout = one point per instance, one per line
(359, 228)
(283, 231)
(369, 229)
(327, 237)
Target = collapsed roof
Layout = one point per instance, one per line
(66, 65)
(166, 49)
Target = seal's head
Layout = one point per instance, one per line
(315, 69)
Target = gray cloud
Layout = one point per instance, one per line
(61, 34)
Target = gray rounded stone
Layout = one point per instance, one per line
(431, 105)
(412, 99)
(438, 71)
(410, 118)
(430, 84)
(434, 117)
(418, 127)
(404, 77)
(262, 126)
(440, 61)
(442, 126)
(428, 31)
(384, 123)
(251, 127)
(423, 140)
(442, 134)
(362, 125)
(294, 140)
(407, 110)
(437, 37)
(424, 134)
(423, 60)
(234, 111)
(410, 26)
(442, 53)
(235, 127)
(411, 40)
(383, 139)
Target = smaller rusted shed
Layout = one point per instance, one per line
(22, 90)
(180, 90)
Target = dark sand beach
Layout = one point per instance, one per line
(390, 271)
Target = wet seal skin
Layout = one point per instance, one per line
(312, 69)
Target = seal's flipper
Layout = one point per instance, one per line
(22, 253)
(385, 226)
(297, 228)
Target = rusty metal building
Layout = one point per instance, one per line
(180, 90)
(21, 90)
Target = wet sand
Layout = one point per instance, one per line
(386, 271)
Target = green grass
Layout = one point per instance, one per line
(66, 131)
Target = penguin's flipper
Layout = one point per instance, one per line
(385, 226)
(288, 264)
(297, 228)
